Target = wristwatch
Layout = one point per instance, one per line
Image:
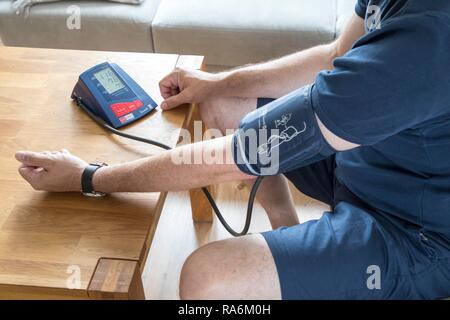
(86, 180)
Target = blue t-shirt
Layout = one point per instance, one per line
(391, 94)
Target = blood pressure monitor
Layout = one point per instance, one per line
(111, 94)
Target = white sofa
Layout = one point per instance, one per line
(227, 32)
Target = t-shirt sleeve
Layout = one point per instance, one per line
(361, 8)
(387, 83)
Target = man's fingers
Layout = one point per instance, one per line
(34, 159)
(166, 92)
(29, 172)
(25, 172)
(175, 101)
(168, 84)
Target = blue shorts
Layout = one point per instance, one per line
(353, 251)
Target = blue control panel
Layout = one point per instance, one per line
(111, 94)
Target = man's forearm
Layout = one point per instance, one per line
(276, 78)
(162, 173)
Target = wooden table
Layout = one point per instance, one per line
(67, 245)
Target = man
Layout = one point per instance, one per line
(374, 146)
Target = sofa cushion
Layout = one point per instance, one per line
(104, 26)
(236, 32)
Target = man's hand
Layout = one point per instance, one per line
(188, 86)
(57, 171)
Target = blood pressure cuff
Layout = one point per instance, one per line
(280, 137)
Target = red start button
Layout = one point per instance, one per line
(123, 108)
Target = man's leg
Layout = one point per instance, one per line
(238, 268)
(350, 253)
(273, 194)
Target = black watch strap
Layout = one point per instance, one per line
(86, 179)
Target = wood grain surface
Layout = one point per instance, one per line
(44, 236)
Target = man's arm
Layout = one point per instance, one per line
(61, 171)
(162, 173)
(271, 79)
(277, 78)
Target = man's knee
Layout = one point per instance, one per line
(237, 268)
(198, 280)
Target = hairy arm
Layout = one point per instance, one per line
(208, 162)
(164, 172)
(272, 79)
(276, 78)
(60, 171)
